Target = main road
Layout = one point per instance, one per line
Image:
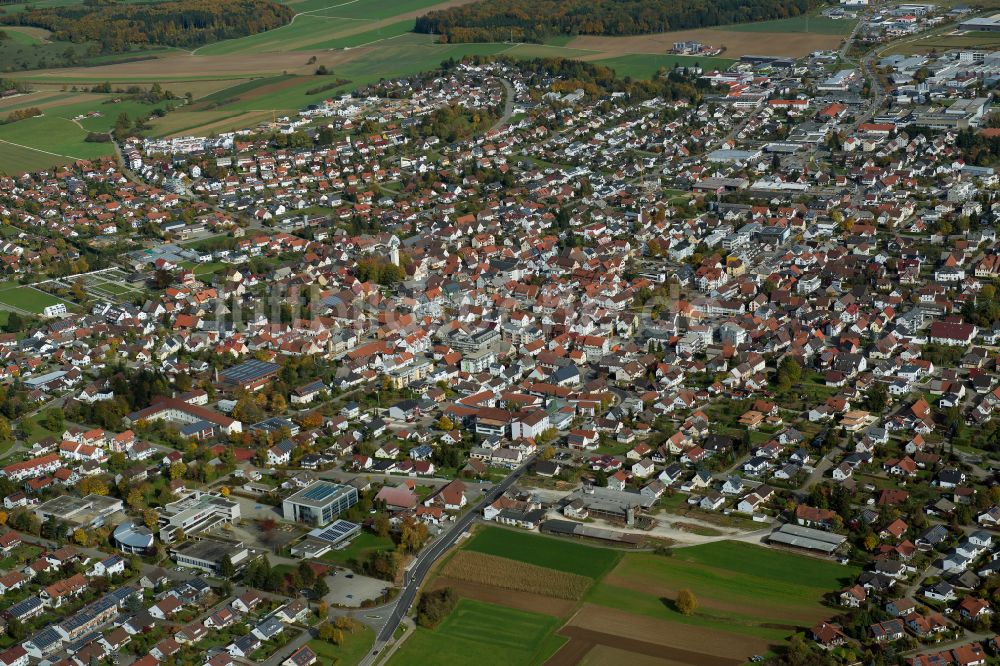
(422, 565)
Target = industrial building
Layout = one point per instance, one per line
(319, 503)
(981, 24)
(807, 538)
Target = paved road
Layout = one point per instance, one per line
(423, 563)
(508, 105)
(391, 615)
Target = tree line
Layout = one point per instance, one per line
(185, 23)
(536, 20)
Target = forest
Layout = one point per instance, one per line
(537, 20)
(184, 23)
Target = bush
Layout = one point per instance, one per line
(435, 606)
(686, 602)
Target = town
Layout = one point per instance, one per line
(518, 354)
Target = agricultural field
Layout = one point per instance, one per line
(819, 25)
(320, 21)
(733, 43)
(482, 633)
(59, 135)
(542, 551)
(750, 598)
(943, 42)
(510, 574)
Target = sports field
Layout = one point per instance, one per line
(27, 299)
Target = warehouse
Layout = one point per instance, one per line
(807, 538)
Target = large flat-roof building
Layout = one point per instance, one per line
(196, 512)
(981, 24)
(89, 511)
(807, 538)
(252, 375)
(319, 503)
(208, 554)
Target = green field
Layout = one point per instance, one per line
(21, 52)
(482, 633)
(352, 651)
(28, 298)
(358, 549)
(645, 66)
(816, 24)
(318, 23)
(741, 588)
(544, 551)
(57, 132)
(19, 37)
(748, 596)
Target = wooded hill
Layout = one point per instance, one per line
(537, 20)
(185, 23)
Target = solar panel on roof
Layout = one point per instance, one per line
(336, 531)
(320, 492)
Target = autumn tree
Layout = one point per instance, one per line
(412, 535)
(687, 603)
(311, 420)
(93, 485)
(135, 499)
(382, 524)
(6, 432)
